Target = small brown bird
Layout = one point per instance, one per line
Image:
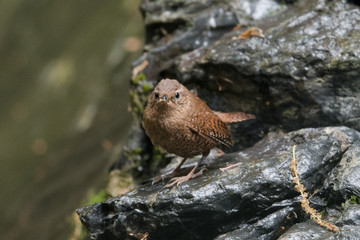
(182, 123)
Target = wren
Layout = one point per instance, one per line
(180, 122)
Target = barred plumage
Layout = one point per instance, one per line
(182, 123)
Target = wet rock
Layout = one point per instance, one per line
(307, 230)
(348, 220)
(266, 228)
(344, 180)
(302, 74)
(255, 200)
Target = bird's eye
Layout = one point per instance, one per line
(177, 95)
(156, 95)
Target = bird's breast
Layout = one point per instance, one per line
(173, 134)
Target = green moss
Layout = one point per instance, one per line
(354, 200)
(139, 93)
(137, 150)
(146, 87)
(100, 196)
(136, 102)
(157, 161)
(133, 153)
(134, 156)
(139, 78)
(291, 113)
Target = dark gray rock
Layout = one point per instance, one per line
(348, 220)
(266, 228)
(350, 215)
(304, 73)
(307, 230)
(252, 201)
(305, 68)
(344, 180)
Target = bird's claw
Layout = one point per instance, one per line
(158, 179)
(180, 180)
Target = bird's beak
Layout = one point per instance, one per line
(164, 99)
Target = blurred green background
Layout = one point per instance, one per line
(64, 73)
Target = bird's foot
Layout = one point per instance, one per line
(179, 180)
(163, 177)
(173, 174)
(159, 178)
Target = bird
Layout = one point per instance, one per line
(181, 123)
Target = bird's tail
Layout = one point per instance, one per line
(234, 116)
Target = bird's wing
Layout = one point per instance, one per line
(209, 126)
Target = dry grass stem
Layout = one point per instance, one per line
(305, 204)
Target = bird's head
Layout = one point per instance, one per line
(168, 94)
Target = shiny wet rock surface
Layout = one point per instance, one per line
(301, 82)
(255, 200)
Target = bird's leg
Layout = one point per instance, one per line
(179, 180)
(174, 173)
(178, 166)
